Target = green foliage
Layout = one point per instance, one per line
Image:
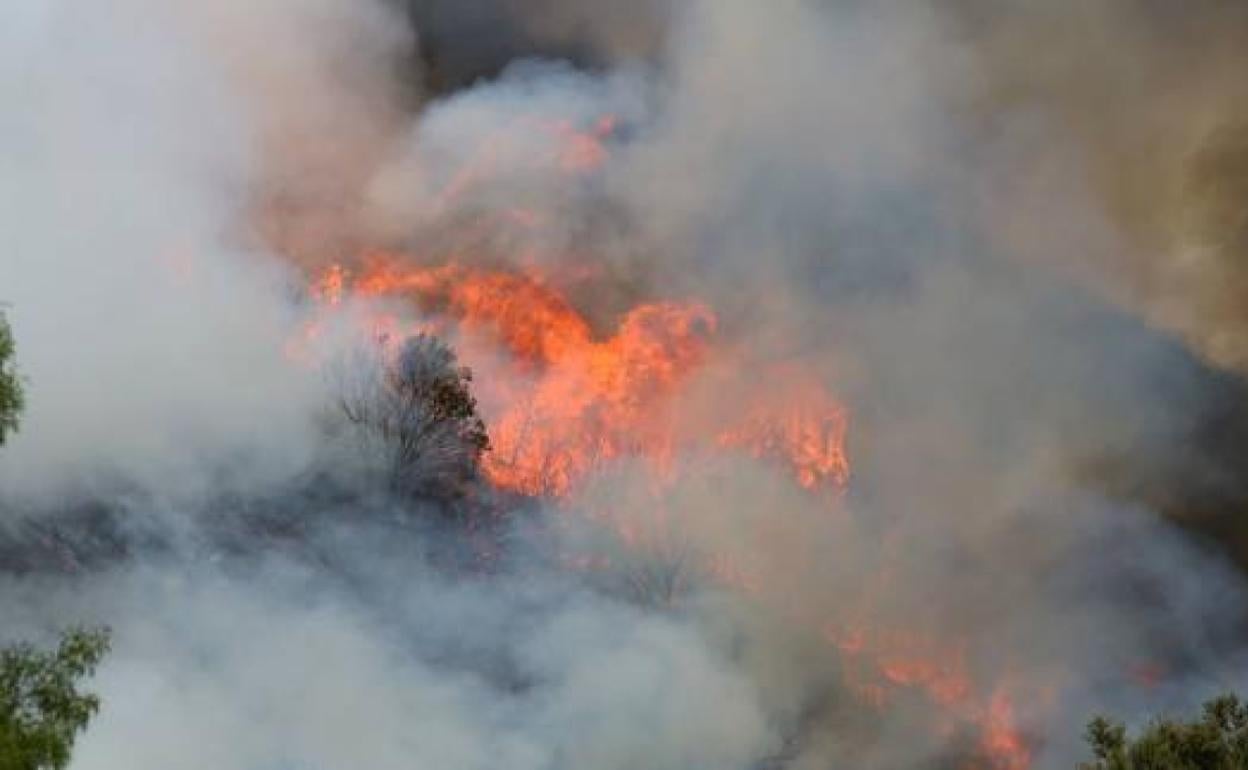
(11, 397)
(1218, 740)
(41, 708)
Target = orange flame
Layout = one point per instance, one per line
(571, 396)
(879, 663)
(576, 399)
(807, 428)
(589, 398)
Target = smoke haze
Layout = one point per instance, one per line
(1009, 237)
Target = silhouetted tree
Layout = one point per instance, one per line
(42, 711)
(11, 396)
(419, 404)
(1218, 740)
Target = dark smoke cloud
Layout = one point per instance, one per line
(463, 42)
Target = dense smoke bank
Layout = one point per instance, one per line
(862, 381)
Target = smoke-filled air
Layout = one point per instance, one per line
(609, 385)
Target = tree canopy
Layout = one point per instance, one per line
(42, 710)
(419, 404)
(11, 397)
(1217, 740)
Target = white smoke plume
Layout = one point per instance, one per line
(1015, 289)
(140, 136)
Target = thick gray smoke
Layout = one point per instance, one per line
(140, 139)
(1006, 236)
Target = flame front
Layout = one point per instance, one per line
(574, 400)
(563, 397)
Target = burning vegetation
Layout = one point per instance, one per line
(566, 399)
(570, 401)
(679, 386)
